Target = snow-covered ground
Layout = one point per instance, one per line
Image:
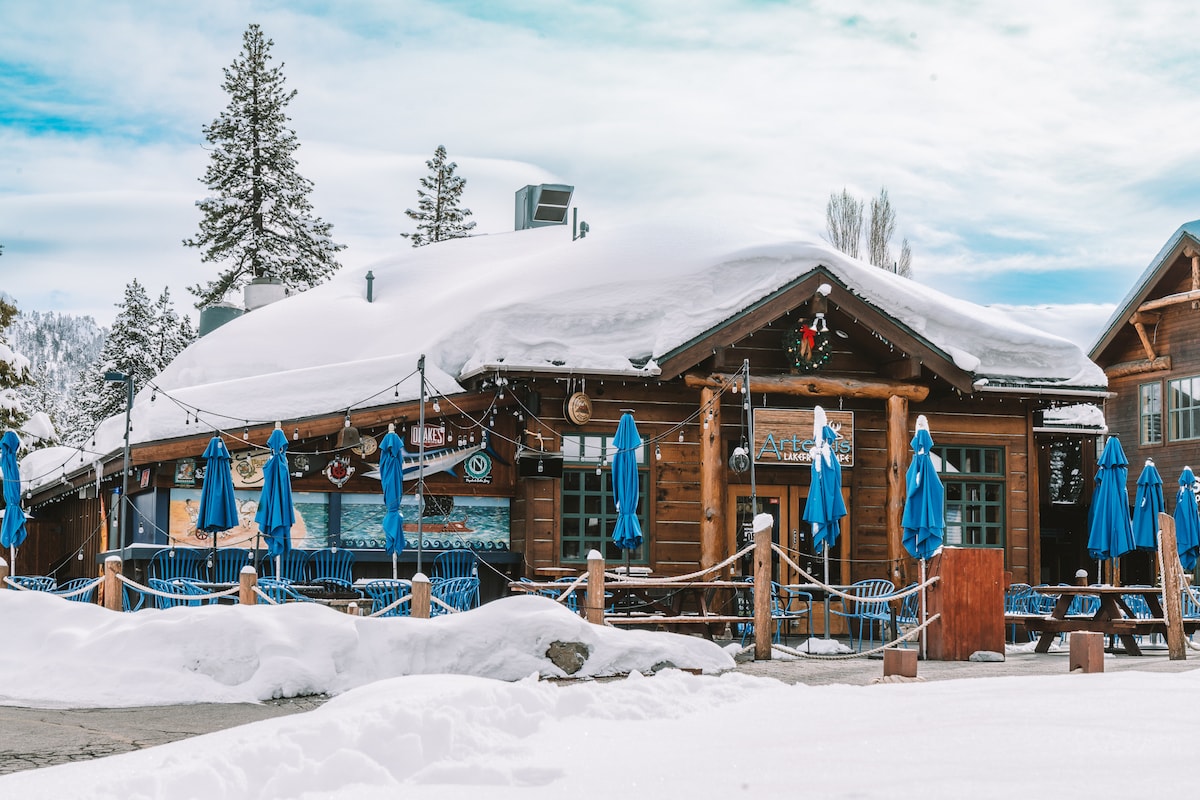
(453, 708)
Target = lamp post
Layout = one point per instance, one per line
(120, 377)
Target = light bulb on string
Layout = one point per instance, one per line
(437, 407)
(296, 435)
(246, 432)
(681, 435)
(657, 453)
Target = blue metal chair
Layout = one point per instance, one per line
(455, 564)
(227, 564)
(281, 591)
(176, 562)
(331, 566)
(132, 599)
(789, 605)
(1016, 601)
(867, 607)
(461, 594)
(37, 583)
(183, 592)
(292, 566)
(74, 585)
(384, 592)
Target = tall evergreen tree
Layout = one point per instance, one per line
(258, 221)
(172, 333)
(438, 214)
(15, 372)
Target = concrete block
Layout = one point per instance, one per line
(1087, 651)
(900, 662)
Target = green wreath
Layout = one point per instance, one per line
(808, 348)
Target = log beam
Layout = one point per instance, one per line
(897, 447)
(814, 386)
(1146, 345)
(1170, 300)
(1137, 367)
(712, 517)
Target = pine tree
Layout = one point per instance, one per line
(438, 215)
(258, 220)
(14, 372)
(171, 333)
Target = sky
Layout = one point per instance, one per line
(1035, 153)
(452, 707)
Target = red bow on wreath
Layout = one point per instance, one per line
(809, 335)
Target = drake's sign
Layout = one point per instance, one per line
(784, 436)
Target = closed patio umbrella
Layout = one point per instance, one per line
(1148, 504)
(824, 507)
(218, 511)
(1187, 520)
(275, 515)
(12, 529)
(1110, 534)
(627, 533)
(391, 476)
(924, 520)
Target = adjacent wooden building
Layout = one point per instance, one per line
(721, 363)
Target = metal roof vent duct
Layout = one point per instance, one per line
(542, 205)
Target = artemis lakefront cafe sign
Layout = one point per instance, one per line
(784, 436)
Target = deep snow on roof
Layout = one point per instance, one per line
(611, 303)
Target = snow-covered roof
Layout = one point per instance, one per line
(611, 303)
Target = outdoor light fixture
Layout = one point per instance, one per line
(112, 376)
(348, 436)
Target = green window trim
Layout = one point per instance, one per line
(588, 509)
(974, 480)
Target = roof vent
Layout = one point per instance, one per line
(542, 205)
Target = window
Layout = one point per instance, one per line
(1183, 409)
(589, 510)
(974, 481)
(1150, 412)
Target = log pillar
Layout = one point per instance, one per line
(421, 596)
(712, 515)
(113, 591)
(762, 592)
(247, 581)
(594, 602)
(897, 448)
(1172, 582)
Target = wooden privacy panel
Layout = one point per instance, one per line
(970, 598)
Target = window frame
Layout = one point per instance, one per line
(583, 454)
(972, 520)
(1176, 414)
(1147, 418)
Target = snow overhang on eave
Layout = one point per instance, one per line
(554, 369)
(1079, 430)
(984, 387)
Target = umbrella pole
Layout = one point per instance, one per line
(394, 569)
(826, 549)
(922, 562)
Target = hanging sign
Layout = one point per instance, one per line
(435, 436)
(784, 436)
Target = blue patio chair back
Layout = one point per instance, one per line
(455, 564)
(1190, 607)
(1083, 605)
(228, 563)
(867, 609)
(176, 562)
(75, 584)
(1042, 599)
(37, 583)
(183, 592)
(1017, 600)
(384, 592)
(461, 594)
(789, 605)
(292, 566)
(281, 591)
(132, 599)
(331, 565)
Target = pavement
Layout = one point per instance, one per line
(34, 737)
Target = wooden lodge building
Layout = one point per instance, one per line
(1150, 350)
(524, 392)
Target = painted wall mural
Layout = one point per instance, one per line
(479, 523)
(310, 531)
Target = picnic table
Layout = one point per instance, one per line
(1113, 617)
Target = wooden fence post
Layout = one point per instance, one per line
(247, 581)
(3, 574)
(763, 525)
(421, 593)
(113, 591)
(595, 588)
(1172, 580)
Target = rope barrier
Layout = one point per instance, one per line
(17, 585)
(394, 604)
(83, 589)
(617, 577)
(883, 598)
(449, 608)
(176, 595)
(912, 634)
(270, 600)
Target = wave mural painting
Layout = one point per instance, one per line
(478, 523)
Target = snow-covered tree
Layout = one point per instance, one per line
(844, 229)
(14, 372)
(258, 221)
(438, 215)
(145, 337)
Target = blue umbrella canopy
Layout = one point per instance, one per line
(275, 515)
(12, 531)
(924, 519)
(218, 511)
(391, 475)
(1110, 534)
(1147, 506)
(627, 533)
(824, 507)
(1187, 520)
